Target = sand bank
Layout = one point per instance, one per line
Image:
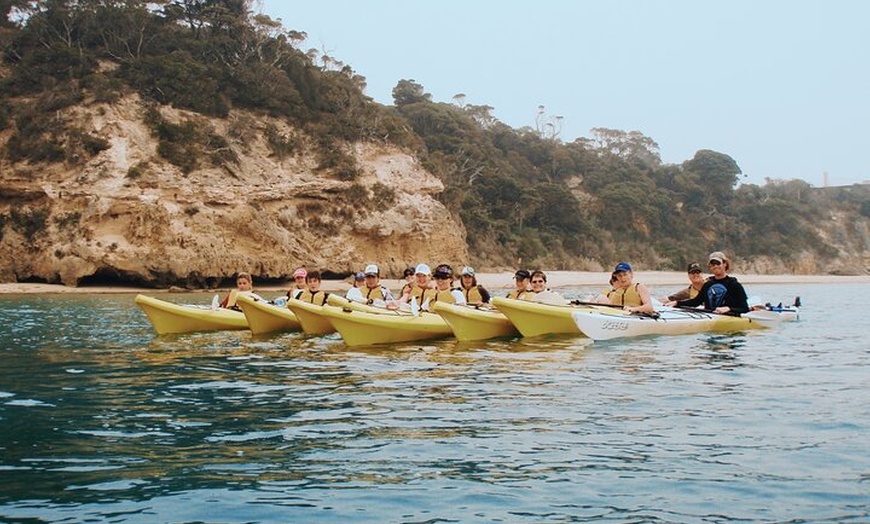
(492, 281)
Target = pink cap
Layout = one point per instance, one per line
(300, 273)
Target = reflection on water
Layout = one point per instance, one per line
(102, 421)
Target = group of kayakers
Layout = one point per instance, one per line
(720, 293)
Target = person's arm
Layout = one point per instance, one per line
(698, 300)
(646, 305)
(736, 300)
(682, 294)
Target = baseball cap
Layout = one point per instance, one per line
(467, 270)
(523, 274)
(717, 255)
(300, 272)
(622, 266)
(694, 266)
(422, 269)
(372, 269)
(359, 276)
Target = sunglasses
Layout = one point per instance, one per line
(695, 272)
(714, 263)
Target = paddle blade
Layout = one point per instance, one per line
(415, 308)
(215, 303)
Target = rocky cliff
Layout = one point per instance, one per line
(128, 215)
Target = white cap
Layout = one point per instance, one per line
(372, 269)
(424, 269)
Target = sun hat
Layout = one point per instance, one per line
(694, 266)
(372, 269)
(622, 266)
(422, 269)
(300, 272)
(467, 271)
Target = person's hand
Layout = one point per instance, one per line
(722, 310)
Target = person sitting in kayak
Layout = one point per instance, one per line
(540, 292)
(414, 294)
(633, 297)
(721, 293)
(474, 293)
(244, 286)
(299, 286)
(696, 282)
(355, 293)
(313, 294)
(521, 292)
(408, 275)
(443, 290)
(372, 291)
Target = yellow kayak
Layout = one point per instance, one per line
(344, 303)
(475, 323)
(537, 318)
(362, 328)
(264, 317)
(168, 317)
(310, 317)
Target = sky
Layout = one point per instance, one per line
(783, 87)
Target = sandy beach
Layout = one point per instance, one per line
(492, 281)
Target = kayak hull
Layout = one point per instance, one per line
(472, 323)
(535, 318)
(606, 325)
(363, 328)
(168, 317)
(264, 318)
(310, 317)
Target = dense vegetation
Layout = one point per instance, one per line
(523, 194)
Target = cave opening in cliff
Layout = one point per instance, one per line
(108, 277)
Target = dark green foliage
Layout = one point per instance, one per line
(524, 196)
(28, 222)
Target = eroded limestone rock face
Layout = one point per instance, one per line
(130, 216)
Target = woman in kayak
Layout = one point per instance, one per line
(443, 290)
(633, 297)
(721, 293)
(475, 294)
(244, 286)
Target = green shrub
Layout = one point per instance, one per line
(29, 222)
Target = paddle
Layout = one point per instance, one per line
(585, 303)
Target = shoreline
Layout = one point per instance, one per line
(493, 281)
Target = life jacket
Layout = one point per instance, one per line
(318, 298)
(437, 295)
(473, 295)
(418, 293)
(375, 293)
(693, 292)
(625, 296)
(229, 302)
(521, 295)
(406, 288)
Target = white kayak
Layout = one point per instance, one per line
(615, 323)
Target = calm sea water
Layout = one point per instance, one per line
(102, 421)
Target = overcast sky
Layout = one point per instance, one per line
(783, 87)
